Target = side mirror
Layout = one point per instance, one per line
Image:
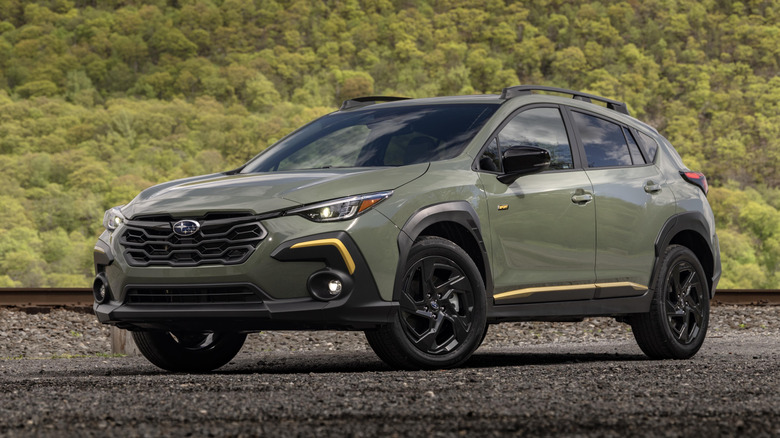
(523, 160)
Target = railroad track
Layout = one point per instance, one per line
(82, 297)
(45, 297)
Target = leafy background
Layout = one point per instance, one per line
(101, 99)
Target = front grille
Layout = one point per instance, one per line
(220, 241)
(191, 295)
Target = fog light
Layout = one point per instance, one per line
(101, 295)
(334, 286)
(329, 284)
(100, 288)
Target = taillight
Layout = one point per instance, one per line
(696, 178)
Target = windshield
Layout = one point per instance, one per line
(376, 137)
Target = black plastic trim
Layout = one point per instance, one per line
(178, 294)
(564, 310)
(325, 253)
(294, 314)
(102, 256)
(460, 212)
(360, 310)
(368, 100)
(687, 221)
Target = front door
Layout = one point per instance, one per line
(542, 226)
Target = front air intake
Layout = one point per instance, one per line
(229, 294)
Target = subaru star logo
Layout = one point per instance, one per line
(186, 227)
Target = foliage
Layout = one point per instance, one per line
(99, 100)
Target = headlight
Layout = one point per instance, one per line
(341, 209)
(113, 218)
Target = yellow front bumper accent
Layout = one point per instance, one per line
(331, 242)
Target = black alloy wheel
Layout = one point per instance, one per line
(685, 291)
(442, 310)
(437, 305)
(676, 325)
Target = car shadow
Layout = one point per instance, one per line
(359, 362)
(341, 362)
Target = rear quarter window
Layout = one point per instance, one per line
(650, 145)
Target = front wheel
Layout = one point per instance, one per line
(678, 319)
(442, 310)
(189, 351)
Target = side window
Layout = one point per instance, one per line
(636, 154)
(541, 128)
(604, 142)
(491, 159)
(650, 145)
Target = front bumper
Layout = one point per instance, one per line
(274, 278)
(357, 311)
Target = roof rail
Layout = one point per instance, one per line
(367, 100)
(521, 90)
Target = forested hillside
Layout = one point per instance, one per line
(101, 99)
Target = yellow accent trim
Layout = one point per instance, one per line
(533, 290)
(636, 286)
(332, 242)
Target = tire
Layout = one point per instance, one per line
(484, 335)
(189, 351)
(442, 310)
(679, 313)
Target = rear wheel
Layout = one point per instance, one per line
(189, 351)
(441, 320)
(678, 319)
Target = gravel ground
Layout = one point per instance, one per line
(532, 379)
(70, 333)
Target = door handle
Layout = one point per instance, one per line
(651, 187)
(582, 198)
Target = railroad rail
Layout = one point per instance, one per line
(45, 297)
(82, 297)
(769, 297)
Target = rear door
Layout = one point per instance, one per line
(632, 203)
(542, 226)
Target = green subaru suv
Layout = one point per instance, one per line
(420, 222)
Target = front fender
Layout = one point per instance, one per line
(458, 212)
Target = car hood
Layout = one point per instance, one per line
(265, 192)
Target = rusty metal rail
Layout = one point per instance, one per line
(82, 297)
(769, 297)
(45, 297)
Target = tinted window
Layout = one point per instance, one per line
(541, 128)
(650, 145)
(636, 154)
(371, 137)
(491, 159)
(604, 142)
(339, 148)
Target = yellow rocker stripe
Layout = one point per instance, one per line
(332, 242)
(532, 290)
